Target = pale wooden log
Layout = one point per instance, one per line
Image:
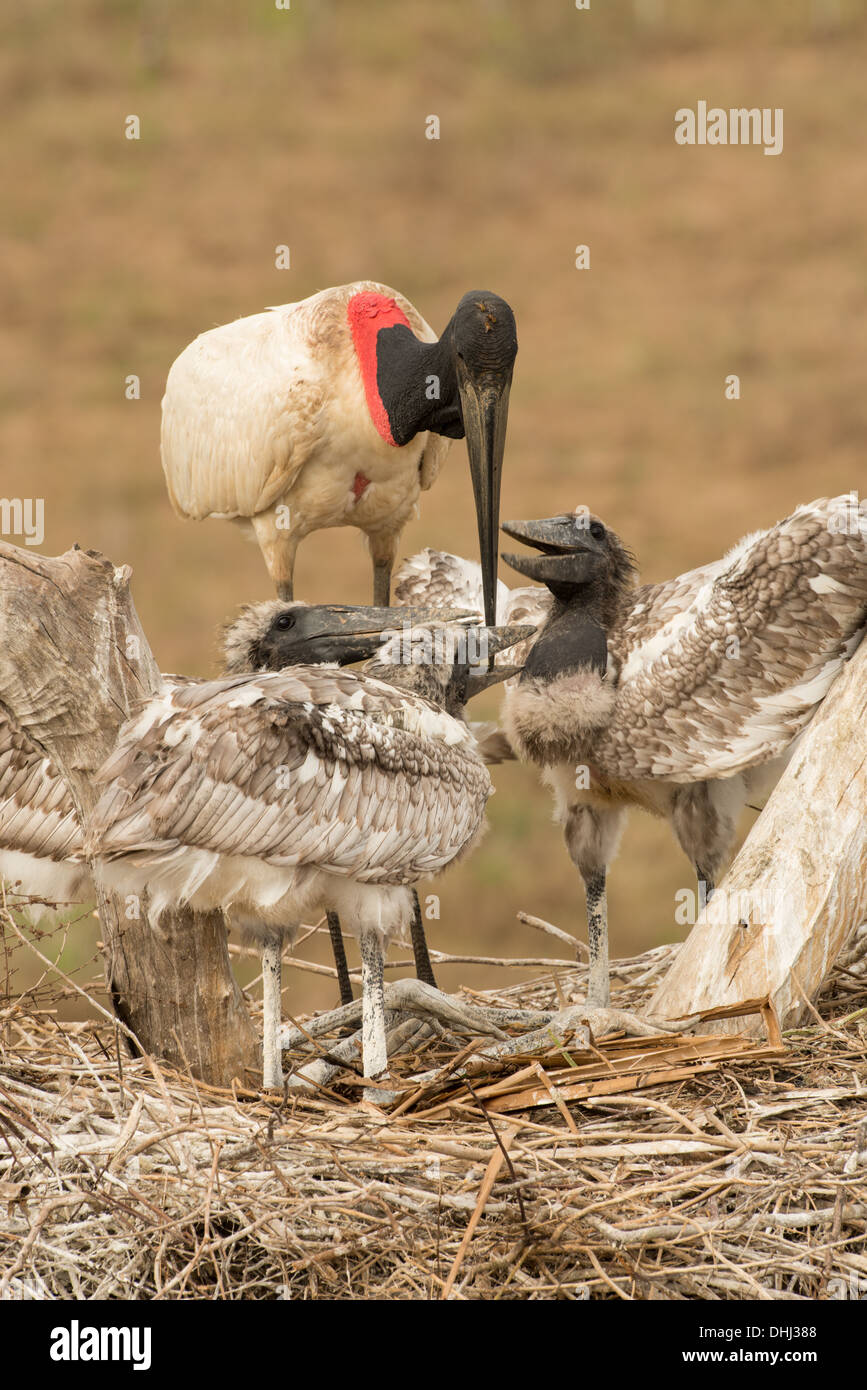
(74, 663)
(802, 875)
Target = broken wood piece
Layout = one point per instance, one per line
(610, 1066)
(74, 665)
(797, 891)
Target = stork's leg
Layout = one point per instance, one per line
(705, 885)
(272, 1059)
(343, 980)
(375, 1059)
(704, 816)
(278, 544)
(383, 551)
(592, 835)
(382, 583)
(423, 966)
(598, 985)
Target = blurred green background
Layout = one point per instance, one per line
(306, 126)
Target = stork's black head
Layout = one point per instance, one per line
(484, 337)
(581, 561)
(458, 386)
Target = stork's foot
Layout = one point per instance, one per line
(347, 1016)
(415, 1010)
(414, 997)
(574, 1027)
(601, 1019)
(402, 1036)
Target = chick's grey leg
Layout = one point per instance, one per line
(272, 1056)
(592, 836)
(703, 817)
(373, 1044)
(598, 983)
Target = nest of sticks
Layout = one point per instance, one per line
(623, 1170)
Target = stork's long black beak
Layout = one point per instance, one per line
(569, 553)
(485, 411)
(346, 634)
(492, 641)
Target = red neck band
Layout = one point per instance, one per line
(368, 312)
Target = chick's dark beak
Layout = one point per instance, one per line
(569, 553)
(492, 641)
(328, 633)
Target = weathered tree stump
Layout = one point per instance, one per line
(74, 664)
(800, 881)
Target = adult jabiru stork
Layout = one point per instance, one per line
(339, 411)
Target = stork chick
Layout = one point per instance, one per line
(297, 791)
(683, 698)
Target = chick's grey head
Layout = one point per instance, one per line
(580, 560)
(261, 635)
(274, 635)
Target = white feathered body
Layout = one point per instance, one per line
(266, 421)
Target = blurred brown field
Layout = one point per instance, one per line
(306, 126)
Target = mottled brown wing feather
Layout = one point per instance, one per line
(436, 577)
(737, 656)
(37, 814)
(312, 767)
